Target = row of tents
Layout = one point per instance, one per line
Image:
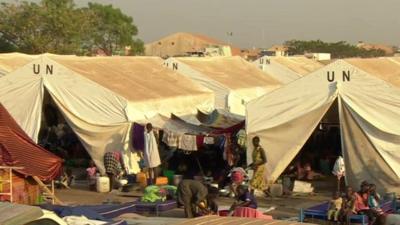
(283, 99)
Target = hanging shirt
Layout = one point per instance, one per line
(131, 161)
(241, 138)
(338, 168)
(209, 140)
(171, 139)
(138, 137)
(188, 142)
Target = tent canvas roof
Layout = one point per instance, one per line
(299, 64)
(16, 214)
(369, 112)
(232, 72)
(134, 78)
(17, 149)
(100, 96)
(387, 69)
(12, 61)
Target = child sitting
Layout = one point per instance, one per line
(348, 206)
(373, 200)
(373, 204)
(335, 206)
(91, 175)
(244, 199)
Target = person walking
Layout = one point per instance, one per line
(259, 160)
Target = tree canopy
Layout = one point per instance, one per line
(339, 49)
(58, 26)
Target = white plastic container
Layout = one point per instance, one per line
(123, 182)
(102, 184)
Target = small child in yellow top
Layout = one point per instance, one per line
(335, 206)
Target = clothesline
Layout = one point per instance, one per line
(182, 135)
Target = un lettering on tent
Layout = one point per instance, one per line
(369, 112)
(100, 112)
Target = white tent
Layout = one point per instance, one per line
(233, 80)
(99, 97)
(12, 61)
(369, 114)
(287, 69)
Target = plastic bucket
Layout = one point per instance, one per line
(170, 175)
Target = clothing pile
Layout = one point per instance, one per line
(155, 193)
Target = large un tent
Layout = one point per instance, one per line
(368, 97)
(99, 97)
(287, 69)
(12, 61)
(233, 80)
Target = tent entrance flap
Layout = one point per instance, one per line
(283, 142)
(57, 136)
(319, 153)
(362, 159)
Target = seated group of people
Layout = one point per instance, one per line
(364, 202)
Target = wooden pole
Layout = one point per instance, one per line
(11, 184)
(47, 190)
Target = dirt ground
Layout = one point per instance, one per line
(286, 208)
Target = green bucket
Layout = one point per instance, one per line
(170, 175)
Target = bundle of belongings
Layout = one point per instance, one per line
(155, 193)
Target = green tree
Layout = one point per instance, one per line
(113, 30)
(58, 26)
(6, 46)
(339, 49)
(137, 47)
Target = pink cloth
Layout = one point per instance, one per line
(361, 201)
(117, 156)
(91, 171)
(250, 213)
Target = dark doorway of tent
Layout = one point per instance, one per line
(312, 167)
(58, 137)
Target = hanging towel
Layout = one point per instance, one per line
(188, 142)
(171, 139)
(209, 140)
(151, 154)
(241, 138)
(131, 161)
(138, 137)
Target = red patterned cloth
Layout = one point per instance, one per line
(250, 213)
(17, 149)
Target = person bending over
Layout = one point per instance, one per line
(195, 198)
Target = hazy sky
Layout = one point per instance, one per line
(262, 23)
